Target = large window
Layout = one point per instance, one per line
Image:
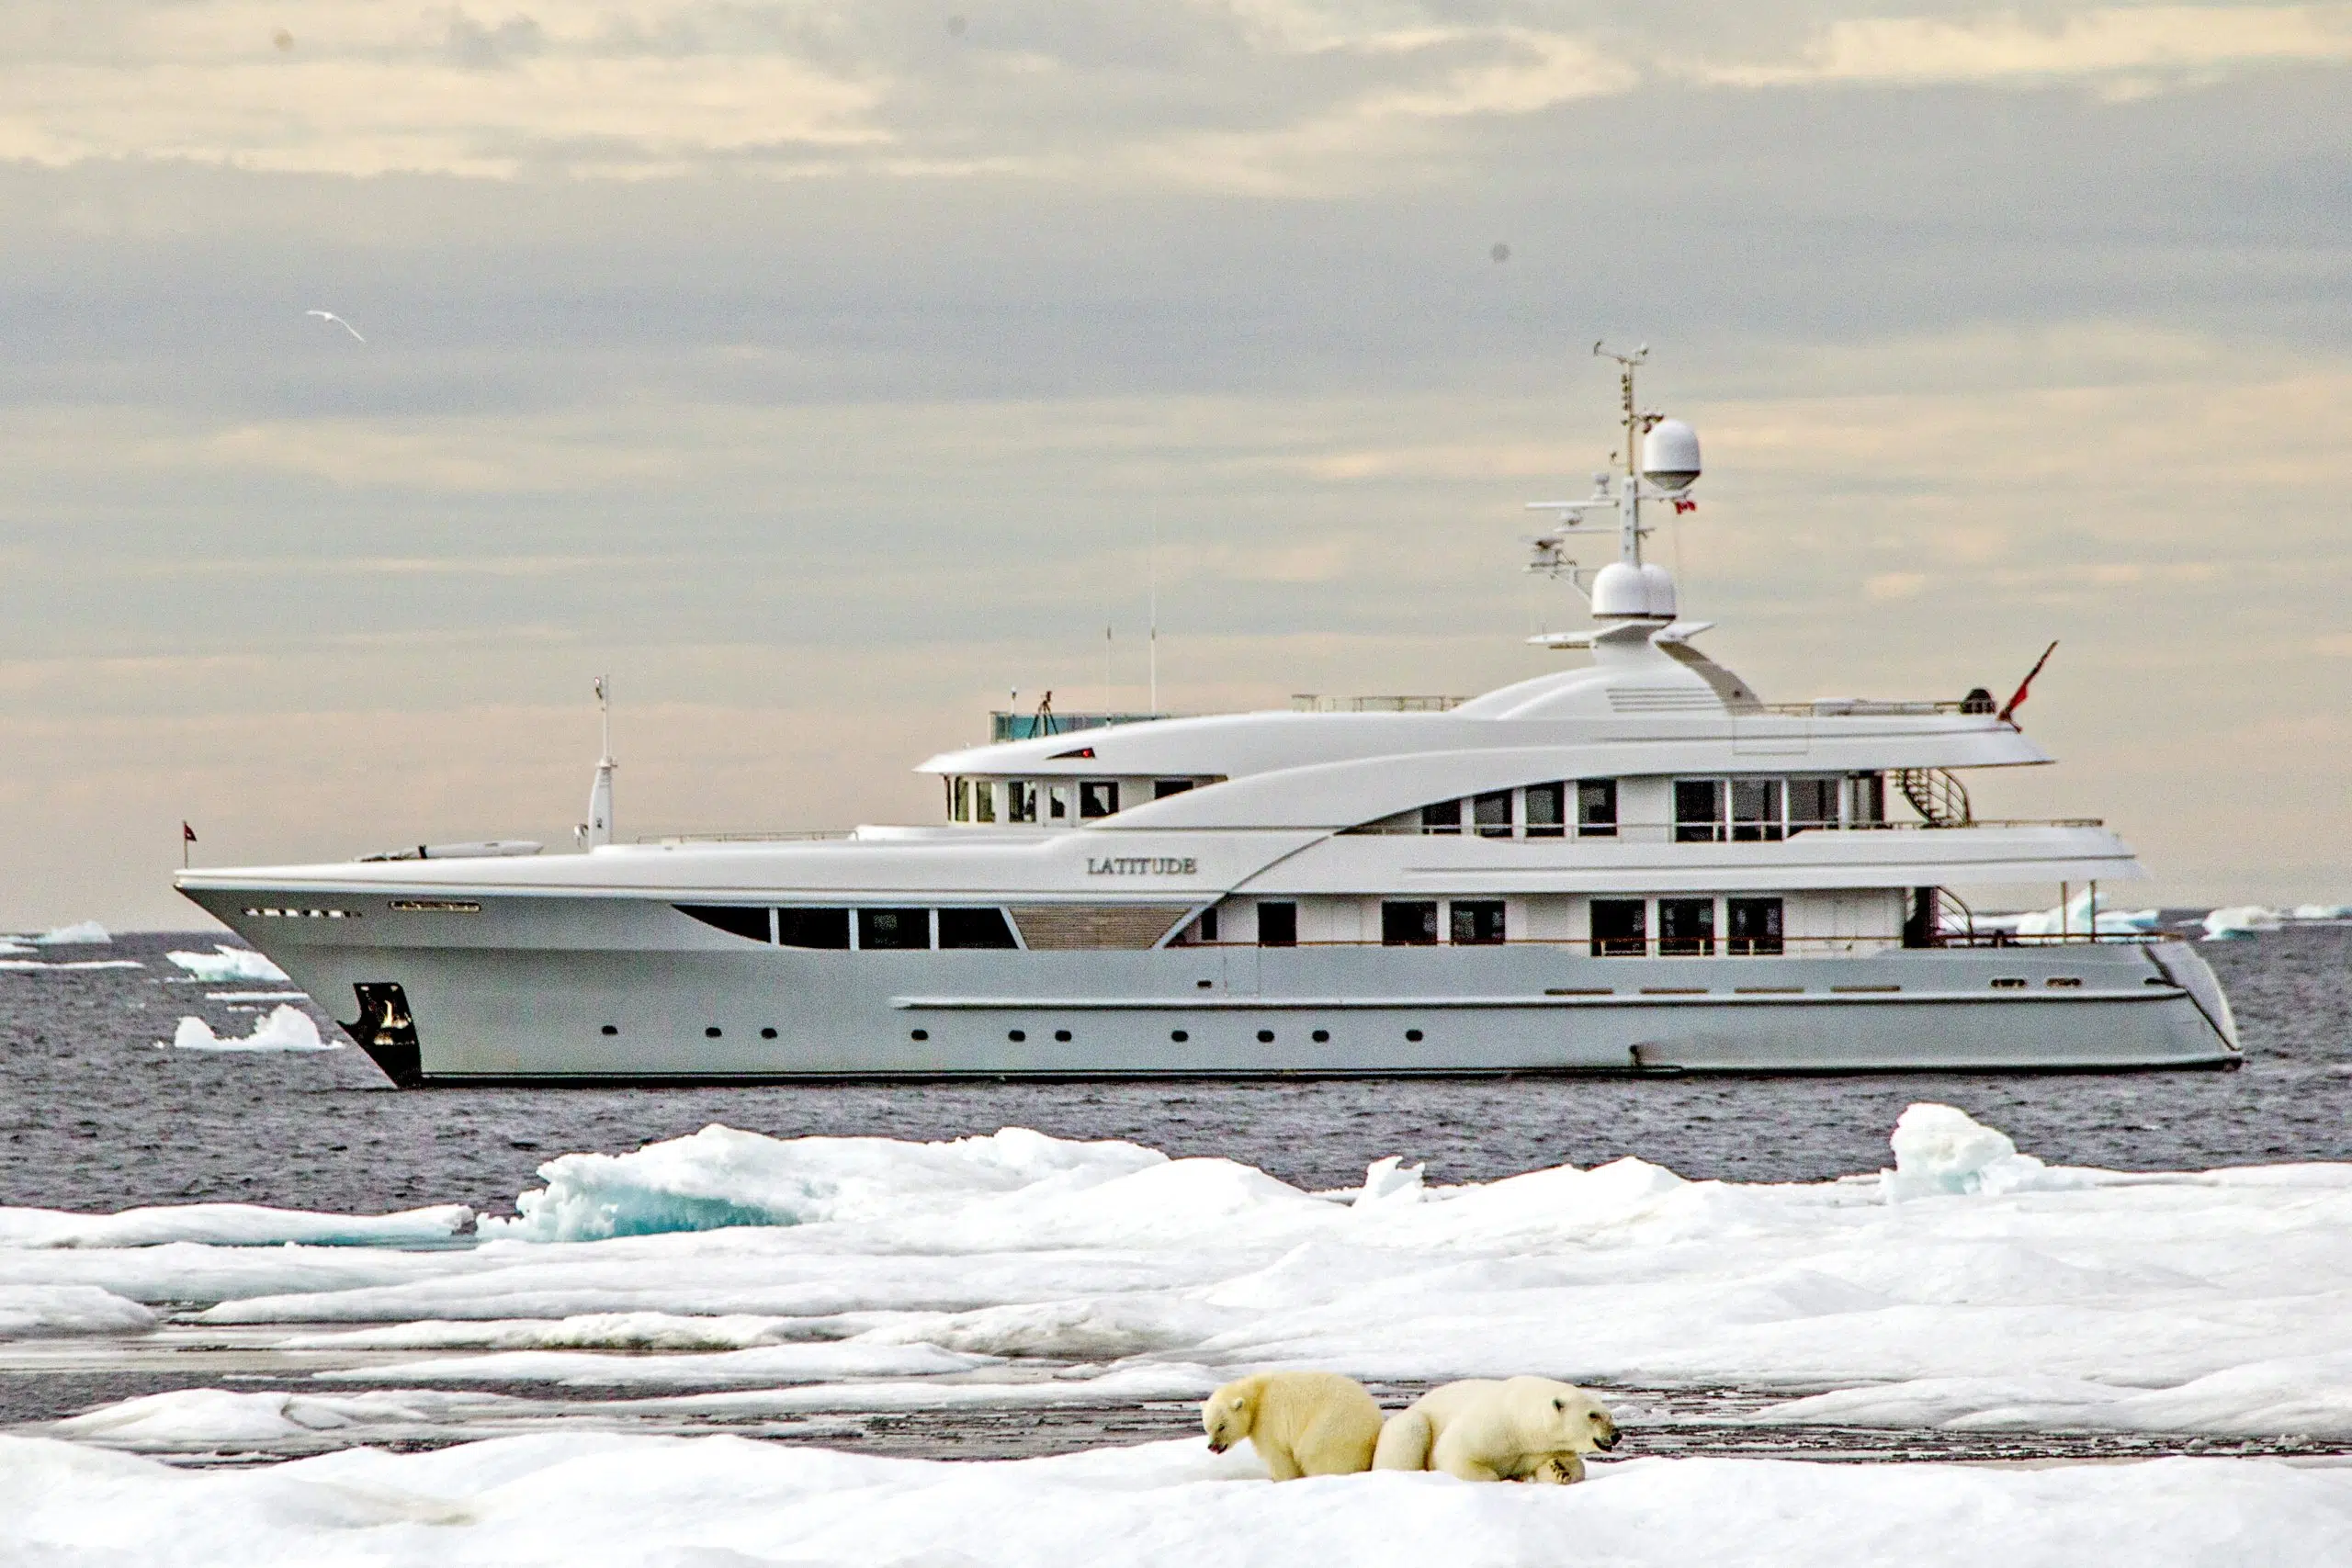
(891, 928)
(1097, 797)
(1544, 818)
(1021, 801)
(1596, 808)
(1868, 799)
(1813, 803)
(812, 928)
(1619, 928)
(975, 928)
(1686, 928)
(1756, 810)
(1408, 923)
(1754, 927)
(983, 801)
(1163, 788)
(961, 809)
(1476, 922)
(1058, 802)
(1278, 924)
(733, 918)
(1445, 816)
(1490, 815)
(1698, 810)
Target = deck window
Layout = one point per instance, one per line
(893, 929)
(1619, 928)
(961, 809)
(983, 801)
(1698, 811)
(1813, 803)
(1596, 808)
(975, 928)
(1097, 797)
(1477, 922)
(1058, 802)
(1866, 799)
(1544, 819)
(1756, 810)
(1278, 925)
(1490, 814)
(1204, 927)
(1408, 923)
(1686, 928)
(1021, 801)
(733, 918)
(1753, 927)
(1163, 788)
(1445, 816)
(812, 928)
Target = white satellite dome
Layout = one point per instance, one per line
(1621, 591)
(1658, 590)
(1670, 455)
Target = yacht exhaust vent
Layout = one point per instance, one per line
(1664, 699)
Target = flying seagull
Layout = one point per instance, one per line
(338, 321)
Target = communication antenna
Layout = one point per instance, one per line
(1151, 573)
(598, 828)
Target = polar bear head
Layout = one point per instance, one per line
(1228, 1415)
(1564, 1415)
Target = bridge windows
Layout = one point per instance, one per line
(813, 928)
(893, 929)
(1097, 797)
(975, 928)
(1019, 800)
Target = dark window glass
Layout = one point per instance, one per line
(1869, 798)
(1163, 788)
(1097, 797)
(1445, 816)
(983, 801)
(1618, 929)
(893, 929)
(1754, 926)
(1021, 801)
(1756, 810)
(1544, 803)
(1596, 808)
(1490, 814)
(812, 928)
(1686, 928)
(1698, 810)
(1204, 928)
(1813, 803)
(1477, 923)
(1277, 925)
(1409, 922)
(733, 918)
(1058, 802)
(975, 928)
(961, 810)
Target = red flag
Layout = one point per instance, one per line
(2017, 701)
(188, 834)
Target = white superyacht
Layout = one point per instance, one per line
(1631, 865)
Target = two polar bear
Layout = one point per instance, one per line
(1482, 1430)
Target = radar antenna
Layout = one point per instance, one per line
(1661, 459)
(598, 828)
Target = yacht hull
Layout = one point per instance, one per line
(573, 991)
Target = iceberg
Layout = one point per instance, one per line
(226, 962)
(2083, 914)
(68, 1309)
(222, 1225)
(1940, 1150)
(2321, 912)
(2241, 920)
(285, 1029)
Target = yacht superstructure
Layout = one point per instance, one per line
(1636, 864)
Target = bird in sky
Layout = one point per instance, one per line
(338, 321)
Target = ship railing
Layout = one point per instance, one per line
(784, 837)
(1319, 702)
(1871, 707)
(1702, 833)
(1721, 946)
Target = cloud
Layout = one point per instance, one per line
(1895, 585)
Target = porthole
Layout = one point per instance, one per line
(1015, 1035)
(1265, 1037)
(1322, 1037)
(1178, 1035)
(1062, 1035)
(920, 1034)
(1204, 984)
(612, 1028)
(1413, 1034)
(768, 1033)
(711, 1034)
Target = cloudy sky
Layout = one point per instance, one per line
(825, 372)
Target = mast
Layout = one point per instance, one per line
(598, 828)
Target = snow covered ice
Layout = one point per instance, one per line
(285, 1028)
(226, 962)
(728, 1276)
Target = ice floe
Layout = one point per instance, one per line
(227, 1225)
(67, 1309)
(46, 966)
(285, 1028)
(82, 933)
(226, 962)
(2079, 914)
(723, 1502)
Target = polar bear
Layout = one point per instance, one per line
(1483, 1429)
(1300, 1423)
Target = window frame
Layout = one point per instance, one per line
(1767, 944)
(1478, 908)
(1088, 797)
(1630, 943)
(1589, 823)
(1699, 943)
(1286, 913)
(1426, 909)
(1557, 828)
